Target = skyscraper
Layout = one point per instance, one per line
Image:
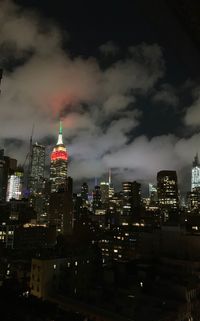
(195, 182)
(167, 188)
(153, 195)
(84, 192)
(3, 179)
(96, 198)
(14, 188)
(36, 180)
(104, 187)
(61, 208)
(111, 187)
(7, 167)
(84, 196)
(137, 201)
(58, 168)
(37, 167)
(127, 198)
(131, 198)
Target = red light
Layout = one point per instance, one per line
(59, 155)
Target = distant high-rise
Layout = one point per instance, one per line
(111, 187)
(7, 167)
(97, 204)
(36, 181)
(59, 162)
(193, 200)
(61, 208)
(3, 180)
(195, 182)
(37, 167)
(104, 187)
(131, 198)
(84, 192)
(14, 187)
(127, 198)
(153, 195)
(167, 188)
(137, 201)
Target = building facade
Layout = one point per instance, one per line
(167, 189)
(7, 167)
(104, 187)
(61, 208)
(37, 181)
(37, 167)
(195, 182)
(14, 187)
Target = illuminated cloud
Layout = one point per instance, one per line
(192, 116)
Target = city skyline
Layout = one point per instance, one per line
(99, 160)
(128, 105)
(44, 166)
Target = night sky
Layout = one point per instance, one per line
(123, 75)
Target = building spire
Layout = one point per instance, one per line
(60, 129)
(60, 138)
(196, 160)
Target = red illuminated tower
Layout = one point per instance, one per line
(58, 168)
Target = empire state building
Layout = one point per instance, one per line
(58, 167)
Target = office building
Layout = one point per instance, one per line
(96, 204)
(167, 187)
(14, 187)
(7, 167)
(37, 167)
(127, 198)
(36, 181)
(59, 162)
(193, 200)
(137, 201)
(84, 195)
(153, 195)
(61, 208)
(111, 187)
(195, 181)
(104, 187)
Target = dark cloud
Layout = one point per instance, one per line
(166, 95)
(109, 48)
